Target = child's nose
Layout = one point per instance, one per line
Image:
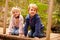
(15, 13)
(32, 11)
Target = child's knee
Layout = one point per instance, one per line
(17, 32)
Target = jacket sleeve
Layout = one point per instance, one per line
(38, 27)
(26, 27)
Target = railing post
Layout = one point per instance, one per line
(5, 17)
(50, 9)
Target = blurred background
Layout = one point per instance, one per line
(42, 11)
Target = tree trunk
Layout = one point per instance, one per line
(49, 19)
(5, 17)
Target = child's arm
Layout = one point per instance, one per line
(21, 20)
(26, 27)
(38, 27)
(10, 26)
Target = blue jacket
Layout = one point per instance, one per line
(34, 23)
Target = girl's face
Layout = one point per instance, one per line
(32, 11)
(15, 13)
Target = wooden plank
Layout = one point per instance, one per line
(53, 36)
(13, 37)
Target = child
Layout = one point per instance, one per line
(33, 20)
(16, 22)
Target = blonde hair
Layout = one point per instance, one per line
(17, 9)
(33, 6)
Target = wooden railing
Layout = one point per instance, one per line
(12, 37)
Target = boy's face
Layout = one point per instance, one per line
(32, 11)
(15, 13)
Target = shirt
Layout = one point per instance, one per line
(19, 24)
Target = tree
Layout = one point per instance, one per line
(5, 17)
(50, 10)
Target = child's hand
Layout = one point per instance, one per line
(21, 35)
(8, 33)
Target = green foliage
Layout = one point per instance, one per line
(58, 1)
(56, 14)
(2, 2)
(10, 3)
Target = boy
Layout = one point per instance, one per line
(16, 22)
(33, 20)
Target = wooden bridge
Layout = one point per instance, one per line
(53, 36)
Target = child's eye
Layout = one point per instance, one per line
(31, 9)
(16, 12)
(13, 12)
(34, 10)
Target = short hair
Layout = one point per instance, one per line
(33, 6)
(16, 8)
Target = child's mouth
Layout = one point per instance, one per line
(17, 17)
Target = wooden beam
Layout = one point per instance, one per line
(50, 9)
(12, 37)
(5, 17)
